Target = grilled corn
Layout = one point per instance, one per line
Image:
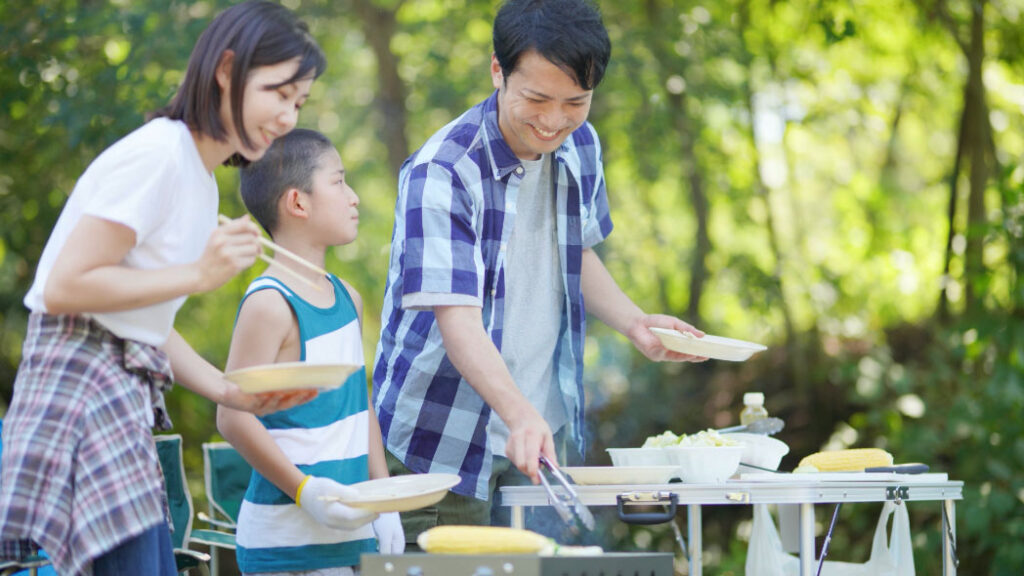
(482, 540)
(852, 459)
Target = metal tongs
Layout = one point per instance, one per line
(566, 502)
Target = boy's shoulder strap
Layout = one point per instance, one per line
(341, 290)
(265, 282)
(270, 283)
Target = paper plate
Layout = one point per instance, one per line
(709, 346)
(290, 376)
(586, 475)
(401, 493)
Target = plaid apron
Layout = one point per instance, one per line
(80, 469)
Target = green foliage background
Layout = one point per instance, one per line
(782, 171)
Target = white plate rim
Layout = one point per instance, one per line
(711, 339)
(710, 346)
(435, 482)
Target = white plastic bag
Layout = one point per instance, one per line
(895, 557)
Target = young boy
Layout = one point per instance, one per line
(298, 193)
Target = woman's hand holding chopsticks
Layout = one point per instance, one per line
(225, 221)
(233, 247)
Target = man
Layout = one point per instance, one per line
(479, 366)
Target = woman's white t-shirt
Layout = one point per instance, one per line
(154, 182)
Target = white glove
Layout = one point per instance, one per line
(390, 536)
(317, 497)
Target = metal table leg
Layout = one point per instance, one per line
(518, 517)
(806, 539)
(950, 561)
(694, 529)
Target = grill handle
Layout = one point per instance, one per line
(653, 498)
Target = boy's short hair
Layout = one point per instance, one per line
(568, 33)
(290, 162)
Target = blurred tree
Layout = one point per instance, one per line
(380, 25)
(666, 27)
(828, 177)
(974, 143)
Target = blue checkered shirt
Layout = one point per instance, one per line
(454, 214)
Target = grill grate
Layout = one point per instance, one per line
(610, 564)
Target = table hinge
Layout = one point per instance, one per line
(646, 497)
(897, 493)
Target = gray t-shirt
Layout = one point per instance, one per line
(534, 296)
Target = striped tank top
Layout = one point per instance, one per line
(328, 436)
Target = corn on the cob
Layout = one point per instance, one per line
(481, 540)
(852, 459)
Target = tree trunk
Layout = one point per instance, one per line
(954, 178)
(686, 127)
(976, 145)
(976, 136)
(759, 186)
(380, 25)
(699, 200)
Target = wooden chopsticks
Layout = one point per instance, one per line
(288, 253)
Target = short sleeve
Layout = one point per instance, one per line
(442, 259)
(597, 220)
(129, 186)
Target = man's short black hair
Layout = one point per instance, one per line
(290, 162)
(568, 33)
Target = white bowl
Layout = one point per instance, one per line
(760, 450)
(639, 457)
(705, 464)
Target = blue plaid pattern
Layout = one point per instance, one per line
(453, 217)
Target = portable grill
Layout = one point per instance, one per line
(609, 564)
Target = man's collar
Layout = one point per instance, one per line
(503, 160)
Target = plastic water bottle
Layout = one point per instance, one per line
(753, 408)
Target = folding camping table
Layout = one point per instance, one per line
(805, 490)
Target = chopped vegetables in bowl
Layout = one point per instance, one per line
(656, 451)
(666, 438)
(707, 437)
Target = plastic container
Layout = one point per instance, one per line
(759, 450)
(753, 408)
(705, 464)
(639, 457)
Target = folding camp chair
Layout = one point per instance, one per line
(35, 565)
(226, 475)
(179, 500)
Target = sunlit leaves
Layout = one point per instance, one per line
(116, 50)
(834, 121)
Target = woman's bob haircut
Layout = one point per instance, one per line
(257, 33)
